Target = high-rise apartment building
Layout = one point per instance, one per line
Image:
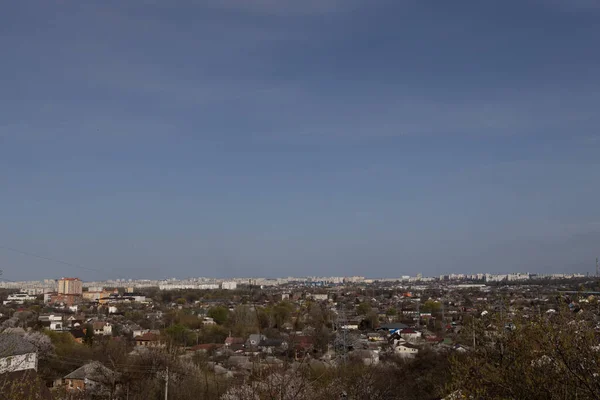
(72, 286)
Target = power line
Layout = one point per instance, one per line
(30, 254)
(55, 260)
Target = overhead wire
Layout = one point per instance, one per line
(55, 260)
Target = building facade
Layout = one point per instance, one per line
(16, 354)
(70, 286)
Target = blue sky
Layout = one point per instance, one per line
(154, 138)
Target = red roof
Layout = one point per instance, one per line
(148, 336)
(235, 340)
(304, 342)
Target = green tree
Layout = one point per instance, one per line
(243, 320)
(179, 335)
(363, 308)
(282, 313)
(431, 306)
(219, 314)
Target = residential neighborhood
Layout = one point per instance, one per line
(103, 345)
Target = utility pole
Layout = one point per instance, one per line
(473, 328)
(597, 270)
(167, 385)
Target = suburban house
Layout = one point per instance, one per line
(149, 339)
(93, 378)
(350, 326)
(16, 354)
(229, 341)
(375, 337)
(410, 334)
(236, 344)
(19, 298)
(138, 331)
(270, 346)
(133, 296)
(102, 328)
(254, 339)
(406, 350)
(393, 327)
(74, 320)
(52, 321)
(95, 296)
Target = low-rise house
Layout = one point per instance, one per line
(393, 327)
(102, 328)
(406, 350)
(53, 321)
(18, 298)
(231, 341)
(208, 321)
(133, 296)
(138, 331)
(149, 339)
(16, 354)
(410, 334)
(375, 337)
(95, 296)
(92, 378)
(254, 339)
(74, 321)
(350, 326)
(271, 346)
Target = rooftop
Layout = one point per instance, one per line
(12, 345)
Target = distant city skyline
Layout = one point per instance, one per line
(61, 287)
(276, 138)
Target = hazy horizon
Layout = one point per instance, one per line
(151, 139)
